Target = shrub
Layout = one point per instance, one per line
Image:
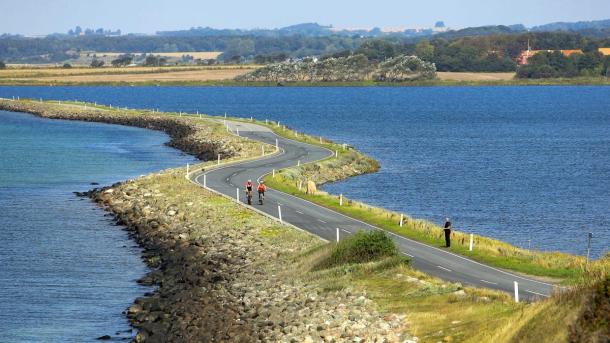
(66, 66)
(97, 63)
(361, 247)
(2, 65)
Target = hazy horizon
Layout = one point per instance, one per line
(33, 17)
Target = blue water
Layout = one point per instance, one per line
(66, 271)
(529, 165)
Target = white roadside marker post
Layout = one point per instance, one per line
(516, 291)
(263, 150)
(298, 163)
(471, 242)
(225, 115)
(336, 153)
(252, 119)
(338, 235)
(273, 172)
(278, 123)
(237, 130)
(341, 199)
(237, 194)
(277, 144)
(279, 212)
(187, 169)
(402, 218)
(205, 180)
(267, 121)
(218, 160)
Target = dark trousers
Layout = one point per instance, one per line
(447, 237)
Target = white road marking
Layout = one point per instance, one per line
(404, 253)
(299, 212)
(344, 230)
(443, 268)
(542, 295)
(321, 221)
(489, 282)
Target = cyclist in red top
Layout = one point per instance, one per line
(261, 191)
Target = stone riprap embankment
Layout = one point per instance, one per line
(227, 274)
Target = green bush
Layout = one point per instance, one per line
(2, 65)
(361, 247)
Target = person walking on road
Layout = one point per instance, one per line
(447, 230)
(261, 191)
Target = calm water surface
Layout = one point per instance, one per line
(66, 271)
(529, 165)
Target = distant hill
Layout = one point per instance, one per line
(304, 29)
(482, 31)
(575, 26)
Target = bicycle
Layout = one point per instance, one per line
(249, 196)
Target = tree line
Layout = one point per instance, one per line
(341, 69)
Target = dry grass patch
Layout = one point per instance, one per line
(465, 76)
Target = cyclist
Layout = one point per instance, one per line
(261, 191)
(249, 187)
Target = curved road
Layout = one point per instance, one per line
(324, 222)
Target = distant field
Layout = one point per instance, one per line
(463, 76)
(131, 74)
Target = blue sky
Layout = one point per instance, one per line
(45, 16)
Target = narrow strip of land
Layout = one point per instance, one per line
(326, 223)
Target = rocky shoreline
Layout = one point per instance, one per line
(187, 135)
(223, 273)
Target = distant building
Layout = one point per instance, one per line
(605, 51)
(525, 55)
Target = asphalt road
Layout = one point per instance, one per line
(324, 222)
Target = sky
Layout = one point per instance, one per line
(39, 17)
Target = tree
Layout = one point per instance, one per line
(66, 66)
(97, 63)
(154, 61)
(424, 50)
(2, 65)
(403, 68)
(122, 61)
